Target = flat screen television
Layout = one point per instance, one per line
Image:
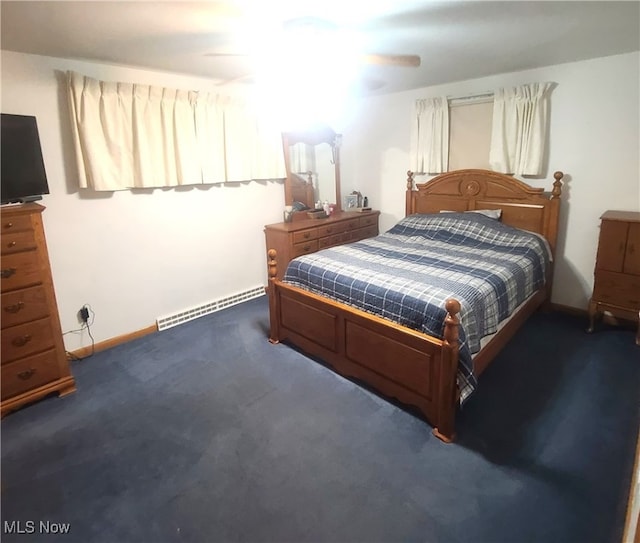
(23, 176)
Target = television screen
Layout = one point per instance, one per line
(24, 178)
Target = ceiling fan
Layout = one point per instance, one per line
(324, 38)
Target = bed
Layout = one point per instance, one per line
(380, 312)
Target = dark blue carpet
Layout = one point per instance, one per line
(206, 432)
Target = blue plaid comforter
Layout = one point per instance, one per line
(407, 273)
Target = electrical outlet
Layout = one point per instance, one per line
(83, 314)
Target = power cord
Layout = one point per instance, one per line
(87, 316)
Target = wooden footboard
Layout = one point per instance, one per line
(400, 363)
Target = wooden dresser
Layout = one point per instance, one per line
(34, 361)
(617, 275)
(292, 239)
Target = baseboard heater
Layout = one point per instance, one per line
(209, 307)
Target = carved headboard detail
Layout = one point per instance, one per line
(523, 206)
(301, 189)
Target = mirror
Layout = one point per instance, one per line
(312, 162)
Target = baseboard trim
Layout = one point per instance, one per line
(575, 311)
(124, 338)
(168, 322)
(83, 352)
(583, 313)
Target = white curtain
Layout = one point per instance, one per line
(302, 158)
(164, 149)
(129, 135)
(209, 119)
(520, 126)
(430, 136)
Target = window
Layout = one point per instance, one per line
(470, 134)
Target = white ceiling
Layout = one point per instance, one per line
(456, 40)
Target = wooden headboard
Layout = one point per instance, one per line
(523, 206)
(302, 189)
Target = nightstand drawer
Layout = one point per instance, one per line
(24, 305)
(618, 289)
(28, 373)
(20, 270)
(26, 339)
(305, 235)
(17, 241)
(300, 249)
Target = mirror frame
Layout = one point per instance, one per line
(314, 136)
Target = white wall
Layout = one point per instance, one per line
(135, 255)
(594, 140)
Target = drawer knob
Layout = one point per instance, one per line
(27, 374)
(329, 230)
(306, 235)
(14, 308)
(8, 225)
(11, 244)
(21, 341)
(8, 272)
(307, 247)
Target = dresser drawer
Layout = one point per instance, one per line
(300, 249)
(370, 220)
(16, 223)
(20, 270)
(17, 241)
(28, 373)
(332, 229)
(352, 224)
(23, 305)
(618, 289)
(24, 339)
(305, 235)
(369, 231)
(330, 241)
(362, 233)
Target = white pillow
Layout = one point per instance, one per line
(491, 213)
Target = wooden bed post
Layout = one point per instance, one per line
(447, 393)
(408, 208)
(552, 231)
(557, 185)
(272, 264)
(309, 188)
